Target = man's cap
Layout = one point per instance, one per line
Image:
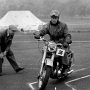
(55, 13)
(13, 27)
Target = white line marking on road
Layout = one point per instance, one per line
(31, 85)
(37, 41)
(78, 24)
(81, 41)
(24, 41)
(70, 86)
(25, 64)
(67, 83)
(81, 69)
(78, 79)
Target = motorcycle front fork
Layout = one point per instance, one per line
(45, 62)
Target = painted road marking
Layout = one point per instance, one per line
(37, 41)
(72, 87)
(81, 69)
(78, 79)
(31, 85)
(67, 83)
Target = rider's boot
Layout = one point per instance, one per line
(65, 69)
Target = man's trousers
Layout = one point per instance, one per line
(11, 58)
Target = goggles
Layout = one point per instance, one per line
(54, 17)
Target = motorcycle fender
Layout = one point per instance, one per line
(49, 62)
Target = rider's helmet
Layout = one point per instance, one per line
(12, 27)
(55, 13)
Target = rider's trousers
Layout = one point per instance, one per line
(65, 59)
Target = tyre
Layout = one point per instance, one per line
(43, 79)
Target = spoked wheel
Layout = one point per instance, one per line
(43, 79)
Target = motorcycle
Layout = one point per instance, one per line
(51, 65)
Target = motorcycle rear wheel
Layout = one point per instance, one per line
(43, 79)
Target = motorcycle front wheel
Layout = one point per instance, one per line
(43, 79)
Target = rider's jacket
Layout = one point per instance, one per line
(57, 32)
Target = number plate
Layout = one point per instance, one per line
(60, 52)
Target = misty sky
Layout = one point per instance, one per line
(63, 1)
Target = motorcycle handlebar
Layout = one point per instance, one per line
(43, 39)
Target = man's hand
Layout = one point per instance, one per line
(1, 55)
(68, 40)
(65, 44)
(36, 35)
(5, 52)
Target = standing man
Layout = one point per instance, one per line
(6, 38)
(58, 32)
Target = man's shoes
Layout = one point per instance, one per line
(1, 74)
(19, 69)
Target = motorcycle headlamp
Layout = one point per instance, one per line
(51, 47)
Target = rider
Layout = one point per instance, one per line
(58, 32)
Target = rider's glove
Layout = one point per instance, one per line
(36, 35)
(65, 44)
(68, 40)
